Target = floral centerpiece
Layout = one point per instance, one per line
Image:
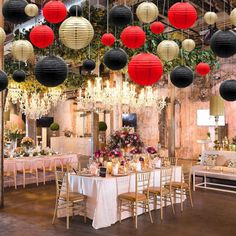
(115, 153)
(151, 150)
(27, 142)
(12, 132)
(136, 150)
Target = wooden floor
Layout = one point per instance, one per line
(29, 212)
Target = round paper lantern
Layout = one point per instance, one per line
(147, 12)
(133, 37)
(2, 36)
(54, 11)
(203, 69)
(76, 32)
(157, 27)
(41, 36)
(188, 45)
(3, 80)
(181, 76)
(75, 10)
(182, 15)
(223, 43)
(31, 10)
(210, 17)
(108, 39)
(89, 65)
(22, 50)
(51, 71)
(14, 11)
(115, 59)
(19, 76)
(228, 90)
(233, 16)
(168, 50)
(145, 69)
(120, 15)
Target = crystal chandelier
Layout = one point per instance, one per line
(99, 96)
(33, 104)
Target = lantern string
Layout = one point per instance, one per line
(163, 10)
(224, 15)
(107, 16)
(202, 25)
(181, 50)
(89, 49)
(210, 5)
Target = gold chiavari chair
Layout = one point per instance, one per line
(10, 174)
(164, 193)
(184, 186)
(69, 201)
(131, 201)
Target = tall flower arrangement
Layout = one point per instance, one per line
(13, 132)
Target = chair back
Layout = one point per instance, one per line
(62, 183)
(186, 173)
(142, 182)
(166, 176)
(9, 166)
(49, 163)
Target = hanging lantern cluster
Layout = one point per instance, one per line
(41, 36)
(3, 80)
(75, 10)
(203, 69)
(115, 59)
(51, 71)
(145, 69)
(89, 65)
(157, 27)
(31, 10)
(147, 12)
(233, 17)
(14, 11)
(22, 50)
(2, 36)
(108, 39)
(181, 76)
(188, 45)
(182, 15)
(133, 37)
(168, 50)
(210, 17)
(54, 11)
(120, 15)
(228, 90)
(19, 76)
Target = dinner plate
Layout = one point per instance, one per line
(119, 175)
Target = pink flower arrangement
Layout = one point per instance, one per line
(136, 151)
(115, 153)
(101, 153)
(151, 150)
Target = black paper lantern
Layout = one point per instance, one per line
(51, 71)
(19, 76)
(228, 90)
(3, 80)
(120, 15)
(75, 10)
(14, 11)
(223, 43)
(181, 76)
(89, 65)
(115, 59)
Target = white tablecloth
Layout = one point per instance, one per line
(102, 194)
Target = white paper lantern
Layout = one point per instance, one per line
(2, 36)
(210, 17)
(31, 10)
(76, 32)
(147, 12)
(188, 45)
(22, 50)
(233, 17)
(168, 50)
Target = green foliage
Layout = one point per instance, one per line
(54, 127)
(102, 126)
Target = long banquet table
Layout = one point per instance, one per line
(102, 194)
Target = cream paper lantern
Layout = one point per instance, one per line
(76, 32)
(31, 10)
(188, 45)
(210, 17)
(233, 17)
(147, 12)
(22, 50)
(168, 50)
(2, 36)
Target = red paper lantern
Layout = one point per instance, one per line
(41, 36)
(133, 37)
(182, 15)
(108, 39)
(145, 69)
(157, 27)
(54, 12)
(203, 68)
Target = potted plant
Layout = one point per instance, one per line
(102, 126)
(54, 127)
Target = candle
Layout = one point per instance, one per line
(109, 167)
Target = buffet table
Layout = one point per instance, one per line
(79, 145)
(102, 195)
